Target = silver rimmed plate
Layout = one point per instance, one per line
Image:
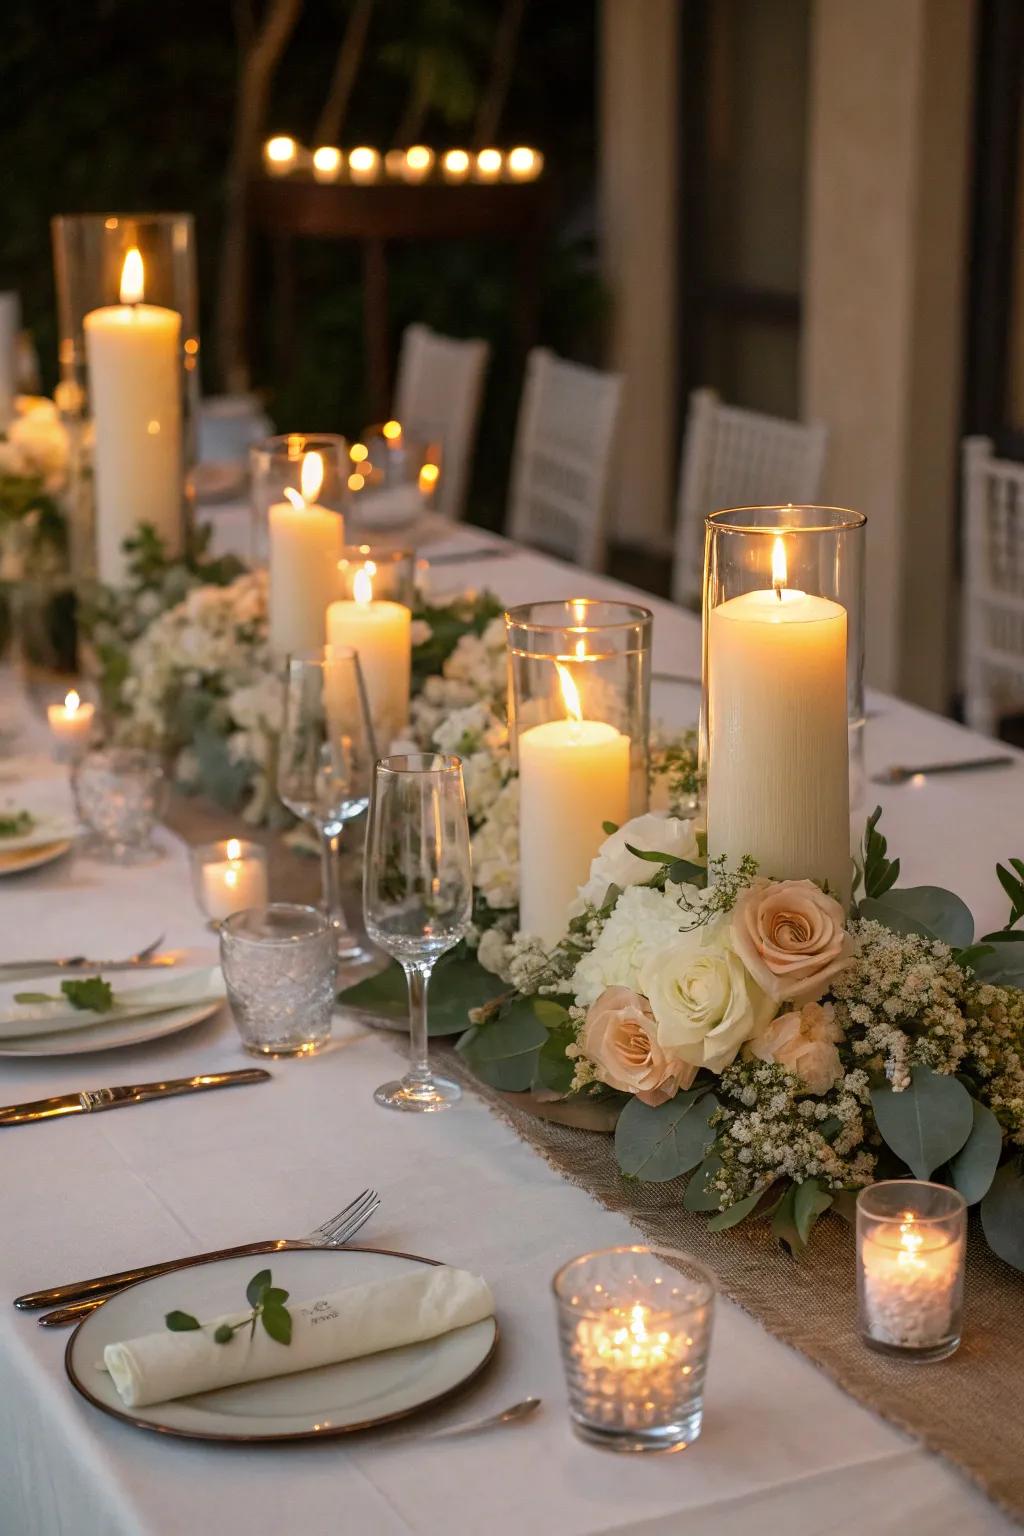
(332, 1400)
(109, 1034)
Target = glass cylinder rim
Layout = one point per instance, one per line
(957, 1203)
(231, 926)
(518, 616)
(843, 520)
(122, 754)
(401, 764)
(322, 657)
(161, 217)
(218, 847)
(382, 555)
(279, 442)
(709, 1283)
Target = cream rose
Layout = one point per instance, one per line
(805, 1043)
(791, 937)
(613, 864)
(618, 1037)
(704, 1001)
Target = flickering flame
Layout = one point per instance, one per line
(570, 693)
(311, 477)
(362, 584)
(234, 849)
(778, 567)
(231, 877)
(392, 430)
(294, 497)
(71, 702)
(132, 279)
(581, 649)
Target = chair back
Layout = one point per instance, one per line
(993, 588)
(737, 458)
(561, 463)
(437, 399)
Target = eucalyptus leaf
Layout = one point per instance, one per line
(784, 1225)
(650, 856)
(925, 909)
(256, 1287)
(809, 1202)
(459, 983)
(701, 1194)
(684, 872)
(927, 1123)
(659, 1144)
(554, 1069)
(1003, 963)
(1002, 1215)
(503, 1052)
(278, 1323)
(973, 1168)
(181, 1322)
(735, 1213)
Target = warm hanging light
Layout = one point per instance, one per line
(326, 163)
(392, 430)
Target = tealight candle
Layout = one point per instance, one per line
(417, 163)
(229, 877)
(911, 1246)
(487, 165)
(455, 165)
(574, 775)
(523, 164)
(363, 165)
(280, 155)
(305, 546)
(71, 726)
(380, 633)
(326, 163)
(635, 1331)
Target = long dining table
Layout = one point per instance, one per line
(783, 1448)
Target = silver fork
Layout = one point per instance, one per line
(85, 1296)
(82, 962)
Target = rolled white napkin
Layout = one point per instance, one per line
(360, 1320)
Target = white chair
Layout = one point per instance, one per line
(565, 434)
(993, 589)
(737, 458)
(437, 399)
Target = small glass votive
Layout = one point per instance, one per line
(634, 1325)
(368, 571)
(229, 876)
(279, 965)
(71, 727)
(119, 795)
(911, 1251)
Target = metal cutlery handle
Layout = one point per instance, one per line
(102, 1285)
(964, 765)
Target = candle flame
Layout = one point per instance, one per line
(231, 877)
(779, 571)
(133, 284)
(234, 849)
(294, 497)
(362, 584)
(311, 477)
(71, 702)
(570, 692)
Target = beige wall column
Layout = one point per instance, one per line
(889, 148)
(639, 84)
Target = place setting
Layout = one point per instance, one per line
(512, 921)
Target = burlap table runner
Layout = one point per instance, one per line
(967, 1408)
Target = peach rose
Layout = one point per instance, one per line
(618, 1037)
(791, 937)
(805, 1043)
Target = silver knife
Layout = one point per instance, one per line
(113, 1098)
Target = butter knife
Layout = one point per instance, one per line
(113, 1098)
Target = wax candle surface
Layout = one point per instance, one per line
(912, 1283)
(573, 777)
(133, 351)
(380, 633)
(778, 756)
(306, 541)
(70, 725)
(233, 885)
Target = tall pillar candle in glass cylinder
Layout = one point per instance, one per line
(298, 491)
(783, 678)
(579, 716)
(373, 616)
(129, 355)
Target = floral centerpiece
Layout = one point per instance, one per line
(33, 474)
(757, 1038)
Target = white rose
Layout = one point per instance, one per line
(705, 1002)
(613, 863)
(644, 921)
(492, 951)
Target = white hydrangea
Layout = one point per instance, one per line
(496, 850)
(644, 921)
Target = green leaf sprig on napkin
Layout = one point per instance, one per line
(91, 993)
(268, 1306)
(16, 823)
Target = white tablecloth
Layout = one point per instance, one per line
(783, 1449)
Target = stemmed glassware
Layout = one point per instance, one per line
(325, 763)
(418, 896)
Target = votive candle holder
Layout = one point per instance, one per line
(634, 1326)
(228, 876)
(911, 1252)
(279, 965)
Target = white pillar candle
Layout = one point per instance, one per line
(573, 777)
(133, 352)
(70, 726)
(380, 633)
(10, 326)
(778, 770)
(305, 546)
(233, 884)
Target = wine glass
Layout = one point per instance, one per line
(325, 763)
(418, 896)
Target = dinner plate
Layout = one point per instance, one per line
(109, 1034)
(330, 1400)
(18, 861)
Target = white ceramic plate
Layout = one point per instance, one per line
(17, 862)
(45, 831)
(109, 1034)
(332, 1400)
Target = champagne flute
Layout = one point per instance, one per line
(418, 896)
(325, 764)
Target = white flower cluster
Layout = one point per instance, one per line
(36, 444)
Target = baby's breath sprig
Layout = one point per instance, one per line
(723, 890)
